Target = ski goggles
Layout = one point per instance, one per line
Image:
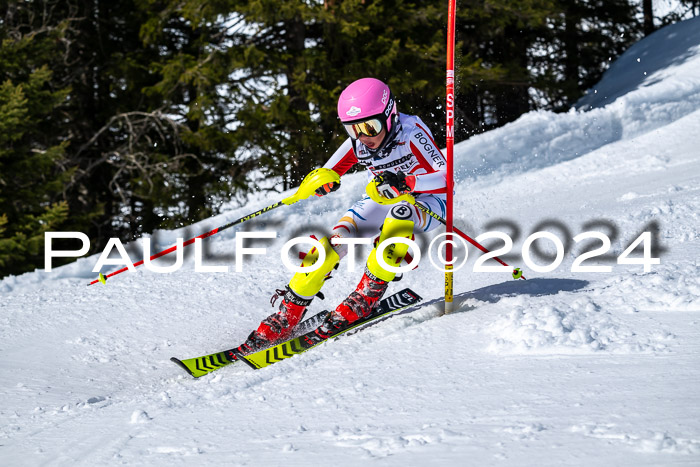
(371, 127)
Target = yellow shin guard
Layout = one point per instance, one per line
(394, 253)
(308, 284)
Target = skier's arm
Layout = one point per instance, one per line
(343, 158)
(340, 162)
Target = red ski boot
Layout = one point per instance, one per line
(359, 304)
(277, 327)
(301, 290)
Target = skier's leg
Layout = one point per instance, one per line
(364, 219)
(299, 293)
(375, 279)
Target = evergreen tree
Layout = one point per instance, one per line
(142, 150)
(124, 125)
(32, 154)
(294, 59)
(499, 36)
(583, 38)
(536, 54)
(648, 15)
(118, 118)
(684, 9)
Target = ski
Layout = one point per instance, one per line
(297, 345)
(304, 340)
(200, 366)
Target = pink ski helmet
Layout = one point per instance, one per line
(367, 106)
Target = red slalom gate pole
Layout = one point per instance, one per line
(450, 140)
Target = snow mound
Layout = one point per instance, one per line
(674, 287)
(572, 326)
(649, 442)
(573, 322)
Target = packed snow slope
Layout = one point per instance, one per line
(566, 368)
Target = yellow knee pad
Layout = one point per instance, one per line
(393, 254)
(308, 284)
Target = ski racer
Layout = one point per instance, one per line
(401, 156)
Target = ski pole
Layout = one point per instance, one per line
(516, 271)
(311, 182)
(374, 194)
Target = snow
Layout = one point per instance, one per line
(566, 368)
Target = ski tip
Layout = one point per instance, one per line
(179, 363)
